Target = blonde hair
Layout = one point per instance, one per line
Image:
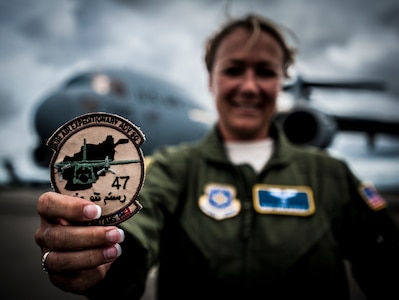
(256, 25)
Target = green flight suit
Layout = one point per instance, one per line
(281, 252)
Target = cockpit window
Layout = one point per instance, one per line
(101, 83)
(78, 80)
(118, 87)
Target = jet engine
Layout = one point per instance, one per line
(305, 125)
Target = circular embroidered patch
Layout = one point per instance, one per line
(97, 156)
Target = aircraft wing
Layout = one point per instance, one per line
(367, 125)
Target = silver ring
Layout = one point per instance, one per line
(44, 257)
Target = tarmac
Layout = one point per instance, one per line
(22, 276)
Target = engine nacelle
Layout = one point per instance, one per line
(305, 125)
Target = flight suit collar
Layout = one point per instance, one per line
(213, 148)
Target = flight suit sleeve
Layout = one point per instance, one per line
(371, 241)
(159, 196)
(126, 278)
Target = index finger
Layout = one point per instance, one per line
(53, 206)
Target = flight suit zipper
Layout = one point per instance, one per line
(246, 178)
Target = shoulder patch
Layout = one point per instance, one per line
(97, 156)
(370, 194)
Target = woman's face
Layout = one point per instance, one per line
(245, 81)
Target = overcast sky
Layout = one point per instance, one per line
(45, 41)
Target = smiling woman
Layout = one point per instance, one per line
(245, 81)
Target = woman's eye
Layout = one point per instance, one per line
(233, 71)
(266, 73)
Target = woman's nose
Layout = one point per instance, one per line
(249, 81)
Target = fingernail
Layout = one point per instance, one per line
(112, 252)
(92, 211)
(115, 236)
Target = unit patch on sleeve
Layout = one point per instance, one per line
(373, 199)
(283, 200)
(219, 201)
(97, 156)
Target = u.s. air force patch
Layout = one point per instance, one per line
(283, 200)
(373, 199)
(97, 156)
(219, 201)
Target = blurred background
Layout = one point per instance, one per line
(45, 42)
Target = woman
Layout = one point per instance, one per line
(240, 214)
